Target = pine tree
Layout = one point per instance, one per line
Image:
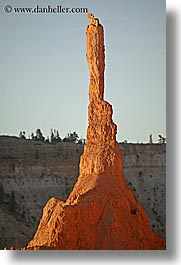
(161, 139)
(39, 136)
(150, 139)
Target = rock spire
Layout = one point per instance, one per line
(101, 212)
(95, 57)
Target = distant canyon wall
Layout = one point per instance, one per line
(32, 172)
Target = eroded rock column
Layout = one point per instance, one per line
(101, 212)
(101, 128)
(95, 57)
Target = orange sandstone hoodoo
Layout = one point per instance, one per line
(101, 212)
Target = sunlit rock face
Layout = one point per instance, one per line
(101, 212)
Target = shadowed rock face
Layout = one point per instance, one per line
(101, 212)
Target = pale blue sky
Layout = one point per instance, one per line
(44, 73)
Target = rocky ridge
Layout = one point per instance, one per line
(101, 212)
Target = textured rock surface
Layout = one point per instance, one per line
(101, 212)
(36, 172)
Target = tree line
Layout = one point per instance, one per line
(72, 137)
(161, 139)
(54, 137)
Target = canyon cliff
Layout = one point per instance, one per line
(101, 212)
